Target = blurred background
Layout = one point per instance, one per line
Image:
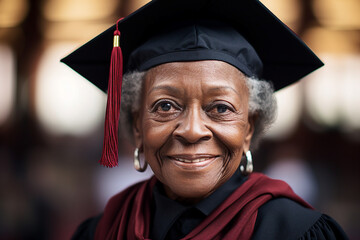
(51, 119)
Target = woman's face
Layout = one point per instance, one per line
(193, 126)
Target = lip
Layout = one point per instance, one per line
(193, 161)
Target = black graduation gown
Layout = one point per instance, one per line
(279, 218)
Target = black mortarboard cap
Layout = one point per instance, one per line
(243, 33)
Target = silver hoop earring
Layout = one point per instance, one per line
(248, 165)
(137, 162)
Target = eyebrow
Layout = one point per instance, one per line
(172, 90)
(222, 88)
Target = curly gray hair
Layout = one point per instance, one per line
(262, 103)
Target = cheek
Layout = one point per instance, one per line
(232, 136)
(155, 135)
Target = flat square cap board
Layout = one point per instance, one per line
(261, 41)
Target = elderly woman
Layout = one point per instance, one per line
(194, 106)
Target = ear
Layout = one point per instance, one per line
(137, 129)
(250, 131)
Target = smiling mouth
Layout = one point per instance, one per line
(197, 160)
(193, 162)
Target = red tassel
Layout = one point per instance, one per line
(109, 156)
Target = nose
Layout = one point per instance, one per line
(192, 127)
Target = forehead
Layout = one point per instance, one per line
(197, 74)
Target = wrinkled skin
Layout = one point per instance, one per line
(193, 126)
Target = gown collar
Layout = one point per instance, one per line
(167, 211)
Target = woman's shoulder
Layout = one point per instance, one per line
(282, 218)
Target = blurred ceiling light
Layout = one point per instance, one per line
(322, 94)
(289, 101)
(12, 12)
(289, 11)
(350, 97)
(332, 41)
(79, 10)
(343, 14)
(74, 30)
(332, 94)
(65, 102)
(7, 83)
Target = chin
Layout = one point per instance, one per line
(190, 190)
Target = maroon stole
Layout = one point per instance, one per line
(128, 215)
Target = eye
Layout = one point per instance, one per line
(165, 110)
(165, 106)
(221, 108)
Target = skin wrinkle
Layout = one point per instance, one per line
(194, 128)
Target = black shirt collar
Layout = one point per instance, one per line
(167, 211)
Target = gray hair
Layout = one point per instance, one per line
(262, 104)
